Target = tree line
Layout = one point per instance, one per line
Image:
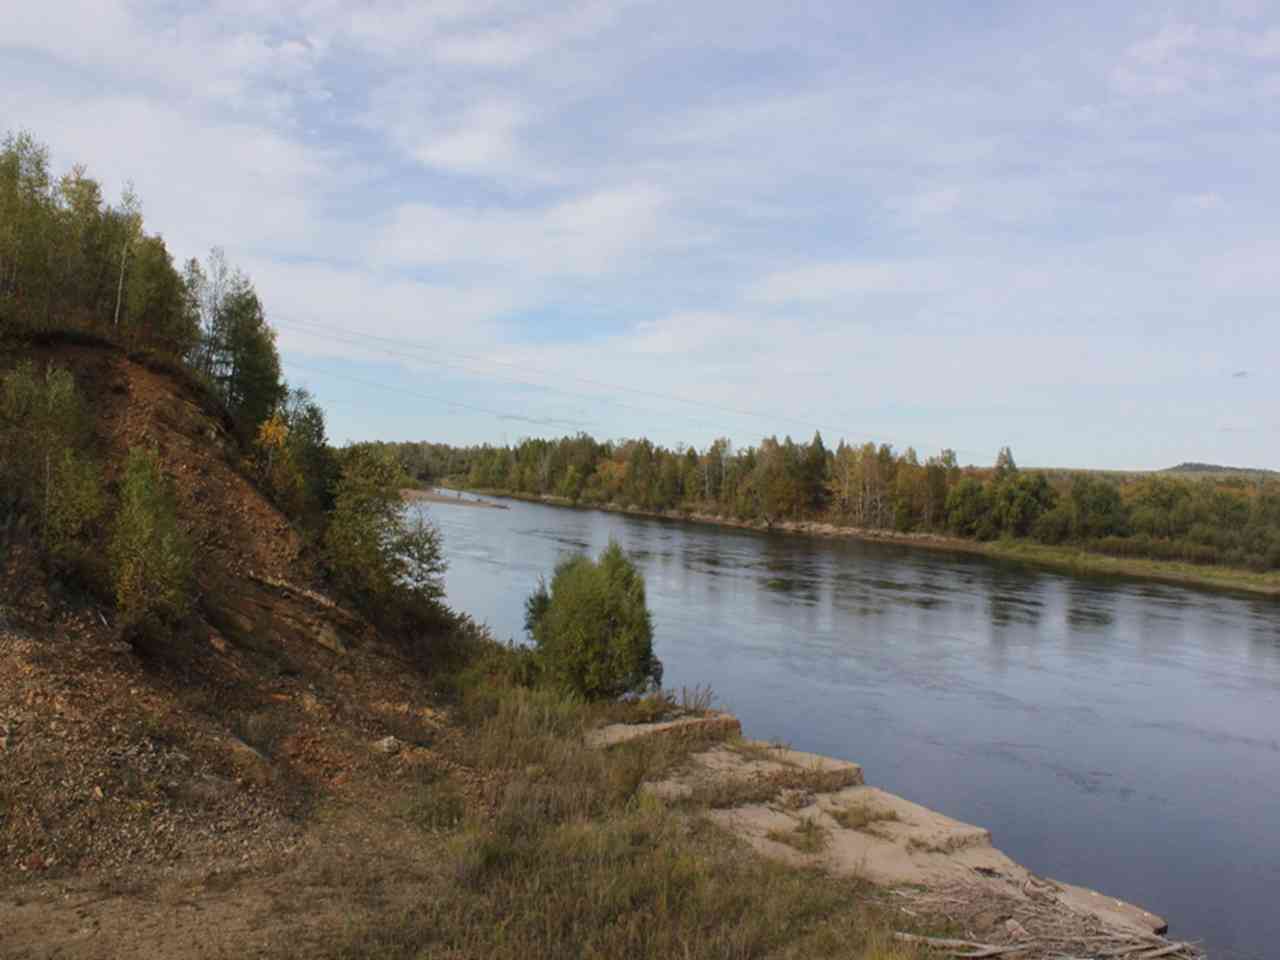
(1231, 520)
(75, 268)
(69, 260)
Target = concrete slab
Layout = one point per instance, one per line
(756, 788)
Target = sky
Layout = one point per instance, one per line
(1048, 226)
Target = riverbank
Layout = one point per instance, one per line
(434, 496)
(811, 811)
(1066, 559)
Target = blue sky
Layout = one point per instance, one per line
(966, 225)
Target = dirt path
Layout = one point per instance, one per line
(352, 866)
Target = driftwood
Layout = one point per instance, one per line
(953, 946)
(1030, 927)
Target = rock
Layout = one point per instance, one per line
(329, 638)
(387, 745)
(251, 764)
(207, 789)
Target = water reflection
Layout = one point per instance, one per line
(1113, 733)
(1088, 609)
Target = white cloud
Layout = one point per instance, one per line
(484, 141)
(512, 46)
(832, 282)
(584, 236)
(1199, 203)
(240, 185)
(755, 206)
(197, 55)
(327, 310)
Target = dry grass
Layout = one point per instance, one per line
(757, 750)
(859, 816)
(643, 883)
(723, 793)
(696, 700)
(658, 706)
(436, 806)
(807, 836)
(570, 859)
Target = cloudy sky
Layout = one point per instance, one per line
(1052, 226)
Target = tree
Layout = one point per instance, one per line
(309, 452)
(247, 370)
(80, 206)
(151, 558)
(1018, 501)
(969, 510)
(156, 302)
(813, 475)
(43, 433)
(775, 481)
(373, 550)
(1099, 510)
(1005, 464)
(592, 628)
(130, 216)
(26, 214)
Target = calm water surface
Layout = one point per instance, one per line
(1117, 734)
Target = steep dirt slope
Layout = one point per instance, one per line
(215, 744)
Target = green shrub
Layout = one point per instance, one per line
(75, 502)
(150, 556)
(592, 628)
(373, 548)
(44, 474)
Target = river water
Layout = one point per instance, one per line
(1118, 734)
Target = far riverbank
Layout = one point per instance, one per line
(434, 496)
(1065, 558)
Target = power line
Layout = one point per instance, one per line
(552, 373)
(458, 404)
(354, 337)
(594, 398)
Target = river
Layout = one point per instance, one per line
(1119, 734)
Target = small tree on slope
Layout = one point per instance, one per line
(592, 628)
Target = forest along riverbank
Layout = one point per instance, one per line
(1067, 559)
(1067, 715)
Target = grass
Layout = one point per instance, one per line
(641, 884)
(807, 836)
(722, 793)
(859, 816)
(565, 856)
(1087, 563)
(757, 750)
(436, 806)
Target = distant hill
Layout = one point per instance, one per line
(1217, 469)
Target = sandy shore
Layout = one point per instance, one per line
(434, 496)
(932, 863)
